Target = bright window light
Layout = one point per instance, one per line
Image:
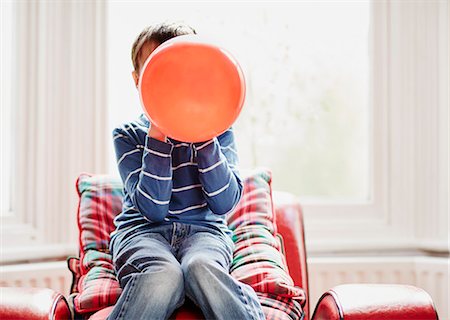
(306, 115)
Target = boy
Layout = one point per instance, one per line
(171, 239)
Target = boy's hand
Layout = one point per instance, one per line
(155, 133)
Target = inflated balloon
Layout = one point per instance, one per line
(191, 90)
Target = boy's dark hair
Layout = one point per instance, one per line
(158, 33)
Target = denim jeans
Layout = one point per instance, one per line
(158, 267)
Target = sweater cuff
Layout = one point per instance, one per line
(157, 145)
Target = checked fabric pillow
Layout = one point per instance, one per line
(279, 308)
(258, 260)
(96, 286)
(100, 201)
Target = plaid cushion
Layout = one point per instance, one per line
(255, 206)
(258, 260)
(73, 263)
(278, 308)
(100, 201)
(94, 278)
(98, 287)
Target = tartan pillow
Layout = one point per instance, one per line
(100, 200)
(278, 308)
(258, 260)
(98, 287)
(255, 206)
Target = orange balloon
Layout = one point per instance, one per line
(191, 90)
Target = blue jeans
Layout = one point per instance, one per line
(158, 267)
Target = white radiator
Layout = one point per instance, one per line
(53, 275)
(430, 274)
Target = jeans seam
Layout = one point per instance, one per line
(127, 298)
(173, 235)
(246, 302)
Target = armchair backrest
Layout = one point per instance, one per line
(101, 200)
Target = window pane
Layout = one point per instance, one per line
(307, 68)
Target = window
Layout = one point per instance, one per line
(306, 115)
(52, 118)
(393, 162)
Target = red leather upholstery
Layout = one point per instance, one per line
(376, 302)
(32, 304)
(289, 220)
(186, 312)
(102, 314)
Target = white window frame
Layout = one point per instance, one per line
(409, 134)
(59, 123)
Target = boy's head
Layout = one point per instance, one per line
(150, 38)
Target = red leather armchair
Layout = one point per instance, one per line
(375, 301)
(33, 304)
(346, 302)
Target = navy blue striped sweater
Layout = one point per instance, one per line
(195, 183)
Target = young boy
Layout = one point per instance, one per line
(171, 239)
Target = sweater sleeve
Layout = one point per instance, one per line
(217, 165)
(146, 173)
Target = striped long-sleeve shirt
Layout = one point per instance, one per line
(195, 183)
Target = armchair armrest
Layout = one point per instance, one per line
(32, 304)
(289, 220)
(375, 301)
